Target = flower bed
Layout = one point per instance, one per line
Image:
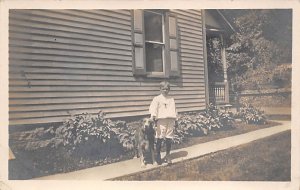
(85, 141)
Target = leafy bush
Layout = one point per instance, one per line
(96, 137)
(83, 128)
(82, 134)
(88, 135)
(89, 132)
(179, 136)
(221, 116)
(192, 124)
(251, 115)
(38, 138)
(125, 134)
(196, 124)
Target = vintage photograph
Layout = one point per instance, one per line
(150, 94)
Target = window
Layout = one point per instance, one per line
(155, 44)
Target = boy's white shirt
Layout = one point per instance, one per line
(163, 107)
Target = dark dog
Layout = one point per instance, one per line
(144, 141)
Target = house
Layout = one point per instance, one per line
(65, 62)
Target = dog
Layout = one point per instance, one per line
(144, 142)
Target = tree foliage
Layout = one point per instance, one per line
(262, 43)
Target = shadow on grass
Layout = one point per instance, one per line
(267, 159)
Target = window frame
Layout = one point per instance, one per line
(170, 46)
(163, 44)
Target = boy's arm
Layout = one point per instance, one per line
(175, 109)
(153, 109)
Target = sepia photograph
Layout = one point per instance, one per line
(150, 94)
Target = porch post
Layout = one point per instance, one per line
(225, 69)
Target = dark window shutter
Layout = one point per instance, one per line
(139, 63)
(173, 55)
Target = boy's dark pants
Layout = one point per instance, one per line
(168, 150)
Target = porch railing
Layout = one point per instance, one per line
(219, 93)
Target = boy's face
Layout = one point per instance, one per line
(164, 90)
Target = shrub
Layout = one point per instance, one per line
(84, 128)
(251, 115)
(85, 134)
(192, 124)
(179, 136)
(182, 126)
(200, 123)
(221, 116)
(97, 137)
(35, 139)
(125, 134)
(96, 134)
(195, 124)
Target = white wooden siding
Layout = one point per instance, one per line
(64, 62)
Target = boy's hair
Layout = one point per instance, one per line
(164, 84)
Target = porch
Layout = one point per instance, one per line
(219, 93)
(218, 30)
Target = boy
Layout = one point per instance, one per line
(163, 111)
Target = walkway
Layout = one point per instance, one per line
(118, 169)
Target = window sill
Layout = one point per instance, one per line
(156, 75)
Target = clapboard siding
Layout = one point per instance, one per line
(70, 38)
(61, 17)
(64, 62)
(184, 29)
(33, 83)
(48, 119)
(101, 47)
(77, 71)
(98, 93)
(191, 54)
(97, 64)
(67, 41)
(68, 77)
(34, 28)
(133, 89)
(82, 105)
(188, 14)
(94, 109)
(59, 100)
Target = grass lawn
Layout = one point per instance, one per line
(236, 129)
(268, 159)
(31, 164)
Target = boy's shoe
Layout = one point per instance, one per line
(167, 160)
(158, 162)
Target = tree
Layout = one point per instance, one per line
(261, 43)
